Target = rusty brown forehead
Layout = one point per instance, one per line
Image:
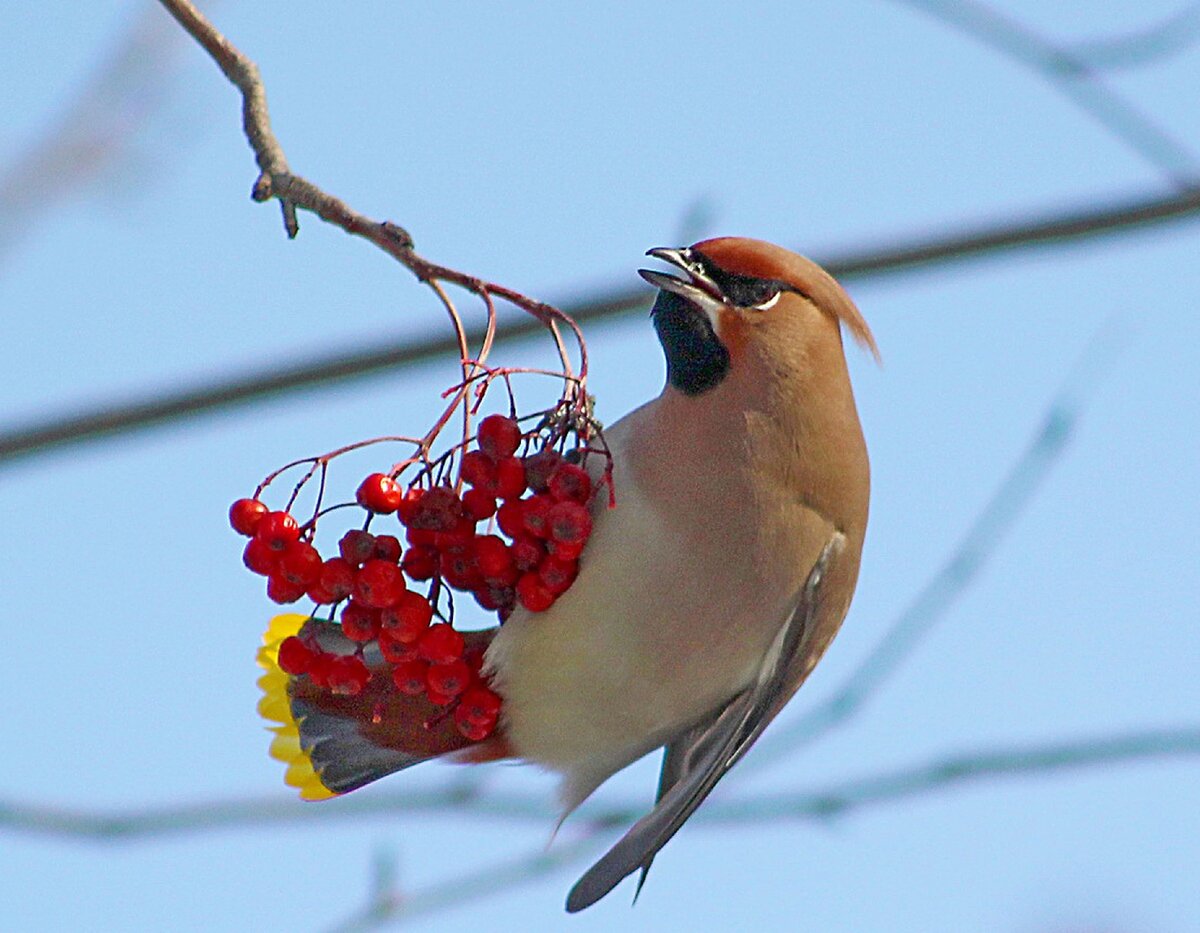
(743, 256)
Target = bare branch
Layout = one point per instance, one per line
(837, 798)
(167, 406)
(1144, 46)
(952, 770)
(884, 788)
(477, 885)
(93, 133)
(966, 561)
(293, 192)
(1075, 78)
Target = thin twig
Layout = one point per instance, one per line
(1144, 46)
(1073, 77)
(276, 181)
(92, 136)
(167, 406)
(477, 885)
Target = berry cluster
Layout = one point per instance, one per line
(539, 504)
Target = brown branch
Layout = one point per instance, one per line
(162, 407)
(293, 192)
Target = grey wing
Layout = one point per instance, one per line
(699, 758)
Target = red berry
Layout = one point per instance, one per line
(535, 515)
(476, 733)
(569, 522)
(477, 469)
(510, 478)
(295, 656)
(571, 482)
(494, 598)
(300, 564)
(408, 620)
(449, 679)
(438, 699)
(318, 594)
(527, 553)
(499, 436)
(408, 504)
(420, 537)
(479, 504)
(395, 652)
(409, 677)
(441, 644)
(459, 535)
(540, 467)
(439, 509)
(458, 566)
(511, 518)
(360, 623)
(347, 675)
(357, 546)
(557, 574)
(493, 559)
(379, 493)
(337, 578)
(565, 551)
(245, 514)
(320, 668)
(420, 563)
(259, 557)
(533, 594)
(282, 590)
(379, 584)
(387, 547)
(479, 705)
(277, 530)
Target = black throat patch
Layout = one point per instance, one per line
(696, 360)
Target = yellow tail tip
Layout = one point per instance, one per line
(276, 708)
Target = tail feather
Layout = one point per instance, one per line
(334, 744)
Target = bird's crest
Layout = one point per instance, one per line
(757, 258)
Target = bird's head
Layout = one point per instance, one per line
(740, 297)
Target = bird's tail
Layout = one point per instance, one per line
(333, 743)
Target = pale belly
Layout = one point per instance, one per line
(656, 632)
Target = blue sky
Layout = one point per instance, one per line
(547, 147)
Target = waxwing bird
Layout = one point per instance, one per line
(705, 597)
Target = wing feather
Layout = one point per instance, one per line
(699, 758)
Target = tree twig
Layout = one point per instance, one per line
(168, 406)
(1075, 78)
(1144, 46)
(276, 181)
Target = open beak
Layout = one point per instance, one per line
(697, 288)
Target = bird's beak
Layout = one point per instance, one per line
(698, 288)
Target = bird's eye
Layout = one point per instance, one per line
(770, 302)
(744, 291)
(759, 294)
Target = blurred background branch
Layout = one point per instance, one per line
(836, 799)
(1076, 74)
(173, 404)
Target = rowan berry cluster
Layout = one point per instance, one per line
(539, 504)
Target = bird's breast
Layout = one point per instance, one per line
(681, 589)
